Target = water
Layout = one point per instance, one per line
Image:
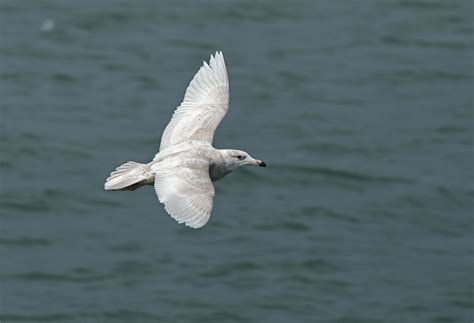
(363, 113)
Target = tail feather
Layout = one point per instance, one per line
(129, 176)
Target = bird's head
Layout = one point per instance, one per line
(235, 158)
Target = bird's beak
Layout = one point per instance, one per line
(257, 162)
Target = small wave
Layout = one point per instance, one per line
(55, 277)
(25, 242)
(28, 205)
(183, 43)
(318, 265)
(285, 225)
(133, 268)
(229, 269)
(327, 213)
(309, 265)
(63, 78)
(126, 247)
(343, 174)
(329, 147)
(423, 5)
(452, 130)
(127, 315)
(122, 315)
(6, 164)
(56, 317)
(103, 20)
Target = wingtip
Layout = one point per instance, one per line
(218, 53)
(195, 225)
(216, 61)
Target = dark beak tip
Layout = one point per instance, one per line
(262, 164)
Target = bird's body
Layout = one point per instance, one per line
(187, 163)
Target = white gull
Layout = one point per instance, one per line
(187, 163)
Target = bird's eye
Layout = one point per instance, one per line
(240, 157)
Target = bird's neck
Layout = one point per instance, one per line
(221, 166)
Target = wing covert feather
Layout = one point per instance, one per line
(187, 193)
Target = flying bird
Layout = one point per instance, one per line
(183, 170)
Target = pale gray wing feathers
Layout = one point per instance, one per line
(187, 193)
(204, 105)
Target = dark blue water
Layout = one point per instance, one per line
(363, 112)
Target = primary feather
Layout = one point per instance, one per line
(204, 105)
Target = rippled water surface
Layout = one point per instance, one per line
(362, 111)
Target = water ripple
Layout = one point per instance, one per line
(122, 315)
(25, 242)
(40, 276)
(343, 174)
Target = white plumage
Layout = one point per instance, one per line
(186, 165)
(204, 105)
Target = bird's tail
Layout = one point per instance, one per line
(129, 177)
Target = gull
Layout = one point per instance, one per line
(183, 170)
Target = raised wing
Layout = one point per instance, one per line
(187, 193)
(204, 105)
